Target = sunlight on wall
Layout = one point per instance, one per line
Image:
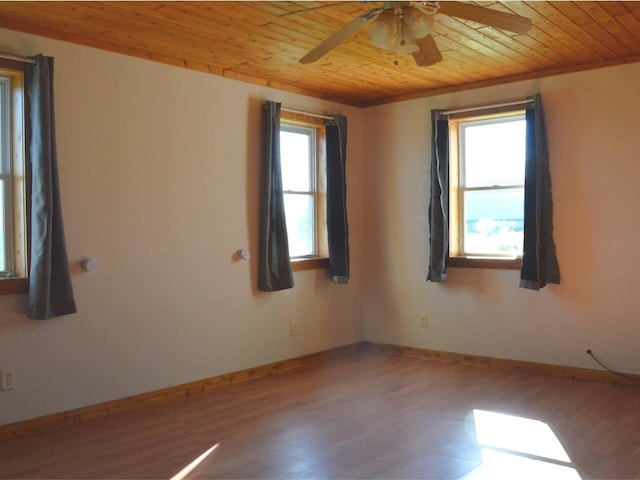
(517, 447)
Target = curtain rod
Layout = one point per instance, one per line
(484, 107)
(17, 58)
(309, 114)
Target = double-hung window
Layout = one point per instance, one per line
(13, 251)
(303, 169)
(486, 189)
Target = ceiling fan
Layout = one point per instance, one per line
(405, 27)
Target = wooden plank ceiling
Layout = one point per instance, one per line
(255, 42)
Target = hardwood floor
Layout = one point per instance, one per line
(365, 415)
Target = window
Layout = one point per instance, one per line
(486, 189)
(13, 238)
(302, 159)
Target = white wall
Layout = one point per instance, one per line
(159, 176)
(592, 125)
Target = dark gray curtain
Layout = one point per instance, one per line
(439, 198)
(539, 262)
(274, 269)
(50, 288)
(337, 225)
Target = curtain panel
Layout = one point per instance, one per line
(274, 268)
(50, 288)
(337, 224)
(439, 198)
(539, 261)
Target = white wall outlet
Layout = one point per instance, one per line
(7, 379)
(424, 321)
(293, 329)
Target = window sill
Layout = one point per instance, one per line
(493, 263)
(298, 265)
(12, 286)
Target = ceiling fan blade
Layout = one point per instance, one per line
(487, 16)
(428, 53)
(341, 35)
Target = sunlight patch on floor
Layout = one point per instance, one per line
(182, 474)
(518, 447)
(507, 466)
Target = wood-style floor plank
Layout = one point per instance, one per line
(364, 415)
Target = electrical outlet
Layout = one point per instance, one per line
(424, 321)
(7, 379)
(293, 329)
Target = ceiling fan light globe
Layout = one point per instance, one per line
(381, 35)
(418, 24)
(406, 45)
(422, 27)
(382, 29)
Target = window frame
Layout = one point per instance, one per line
(16, 280)
(455, 255)
(320, 259)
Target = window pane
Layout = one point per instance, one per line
(4, 170)
(3, 244)
(494, 153)
(295, 161)
(299, 212)
(494, 222)
(4, 125)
